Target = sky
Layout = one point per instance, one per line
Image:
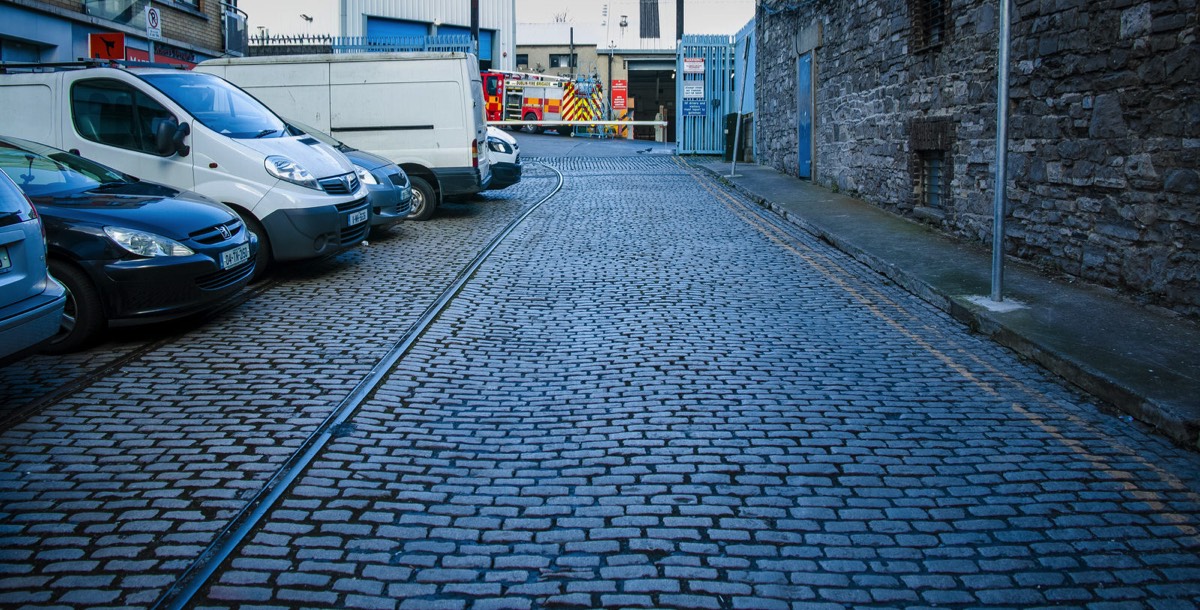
(702, 16)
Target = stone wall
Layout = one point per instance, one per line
(1104, 126)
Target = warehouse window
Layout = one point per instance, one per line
(523, 60)
(932, 179)
(930, 23)
(563, 60)
(931, 140)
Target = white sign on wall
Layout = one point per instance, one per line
(153, 23)
(693, 89)
(693, 65)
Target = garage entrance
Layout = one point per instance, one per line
(652, 82)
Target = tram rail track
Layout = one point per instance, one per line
(21, 412)
(199, 573)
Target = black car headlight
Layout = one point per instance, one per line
(364, 175)
(499, 146)
(146, 244)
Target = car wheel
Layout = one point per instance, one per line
(529, 116)
(424, 199)
(83, 316)
(262, 258)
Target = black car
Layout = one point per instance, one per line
(127, 250)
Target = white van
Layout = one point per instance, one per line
(424, 111)
(197, 132)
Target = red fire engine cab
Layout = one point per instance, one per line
(519, 96)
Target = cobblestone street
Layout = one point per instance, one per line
(650, 395)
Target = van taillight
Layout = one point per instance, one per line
(475, 154)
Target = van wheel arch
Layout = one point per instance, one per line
(426, 186)
(264, 257)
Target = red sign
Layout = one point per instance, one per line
(109, 45)
(160, 57)
(620, 92)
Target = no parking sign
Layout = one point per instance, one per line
(153, 23)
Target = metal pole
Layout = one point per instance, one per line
(737, 130)
(149, 40)
(610, 95)
(1001, 157)
(678, 19)
(475, 26)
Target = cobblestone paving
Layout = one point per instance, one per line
(107, 495)
(649, 398)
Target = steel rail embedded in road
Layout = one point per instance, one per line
(210, 560)
(38, 404)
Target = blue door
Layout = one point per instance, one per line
(805, 98)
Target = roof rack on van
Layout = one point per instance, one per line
(82, 63)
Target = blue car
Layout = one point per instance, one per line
(31, 303)
(388, 188)
(126, 250)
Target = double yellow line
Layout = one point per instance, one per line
(886, 309)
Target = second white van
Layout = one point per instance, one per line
(197, 132)
(424, 111)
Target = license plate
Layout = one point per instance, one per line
(235, 257)
(5, 262)
(358, 217)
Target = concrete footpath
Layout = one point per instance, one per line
(1142, 362)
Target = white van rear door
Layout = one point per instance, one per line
(479, 115)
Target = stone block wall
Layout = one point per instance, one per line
(1104, 125)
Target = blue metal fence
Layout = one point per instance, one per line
(703, 93)
(404, 44)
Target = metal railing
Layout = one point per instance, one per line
(369, 44)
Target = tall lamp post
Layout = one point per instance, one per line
(611, 45)
(998, 210)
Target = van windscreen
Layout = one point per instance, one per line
(218, 105)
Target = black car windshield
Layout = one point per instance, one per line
(41, 170)
(218, 105)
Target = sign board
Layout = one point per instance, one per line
(620, 91)
(164, 54)
(153, 23)
(694, 107)
(693, 65)
(693, 89)
(109, 45)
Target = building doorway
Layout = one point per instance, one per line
(804, 96)
(649, 88)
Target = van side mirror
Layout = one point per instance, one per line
(168, 138)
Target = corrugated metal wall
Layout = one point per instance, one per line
(745, 53)
(744, 59)
(498, 15)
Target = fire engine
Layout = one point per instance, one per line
(518, 96)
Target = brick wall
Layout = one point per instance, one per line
(1104, 125)
(201, 28)
(182, 22)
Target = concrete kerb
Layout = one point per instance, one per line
(1114, 396)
